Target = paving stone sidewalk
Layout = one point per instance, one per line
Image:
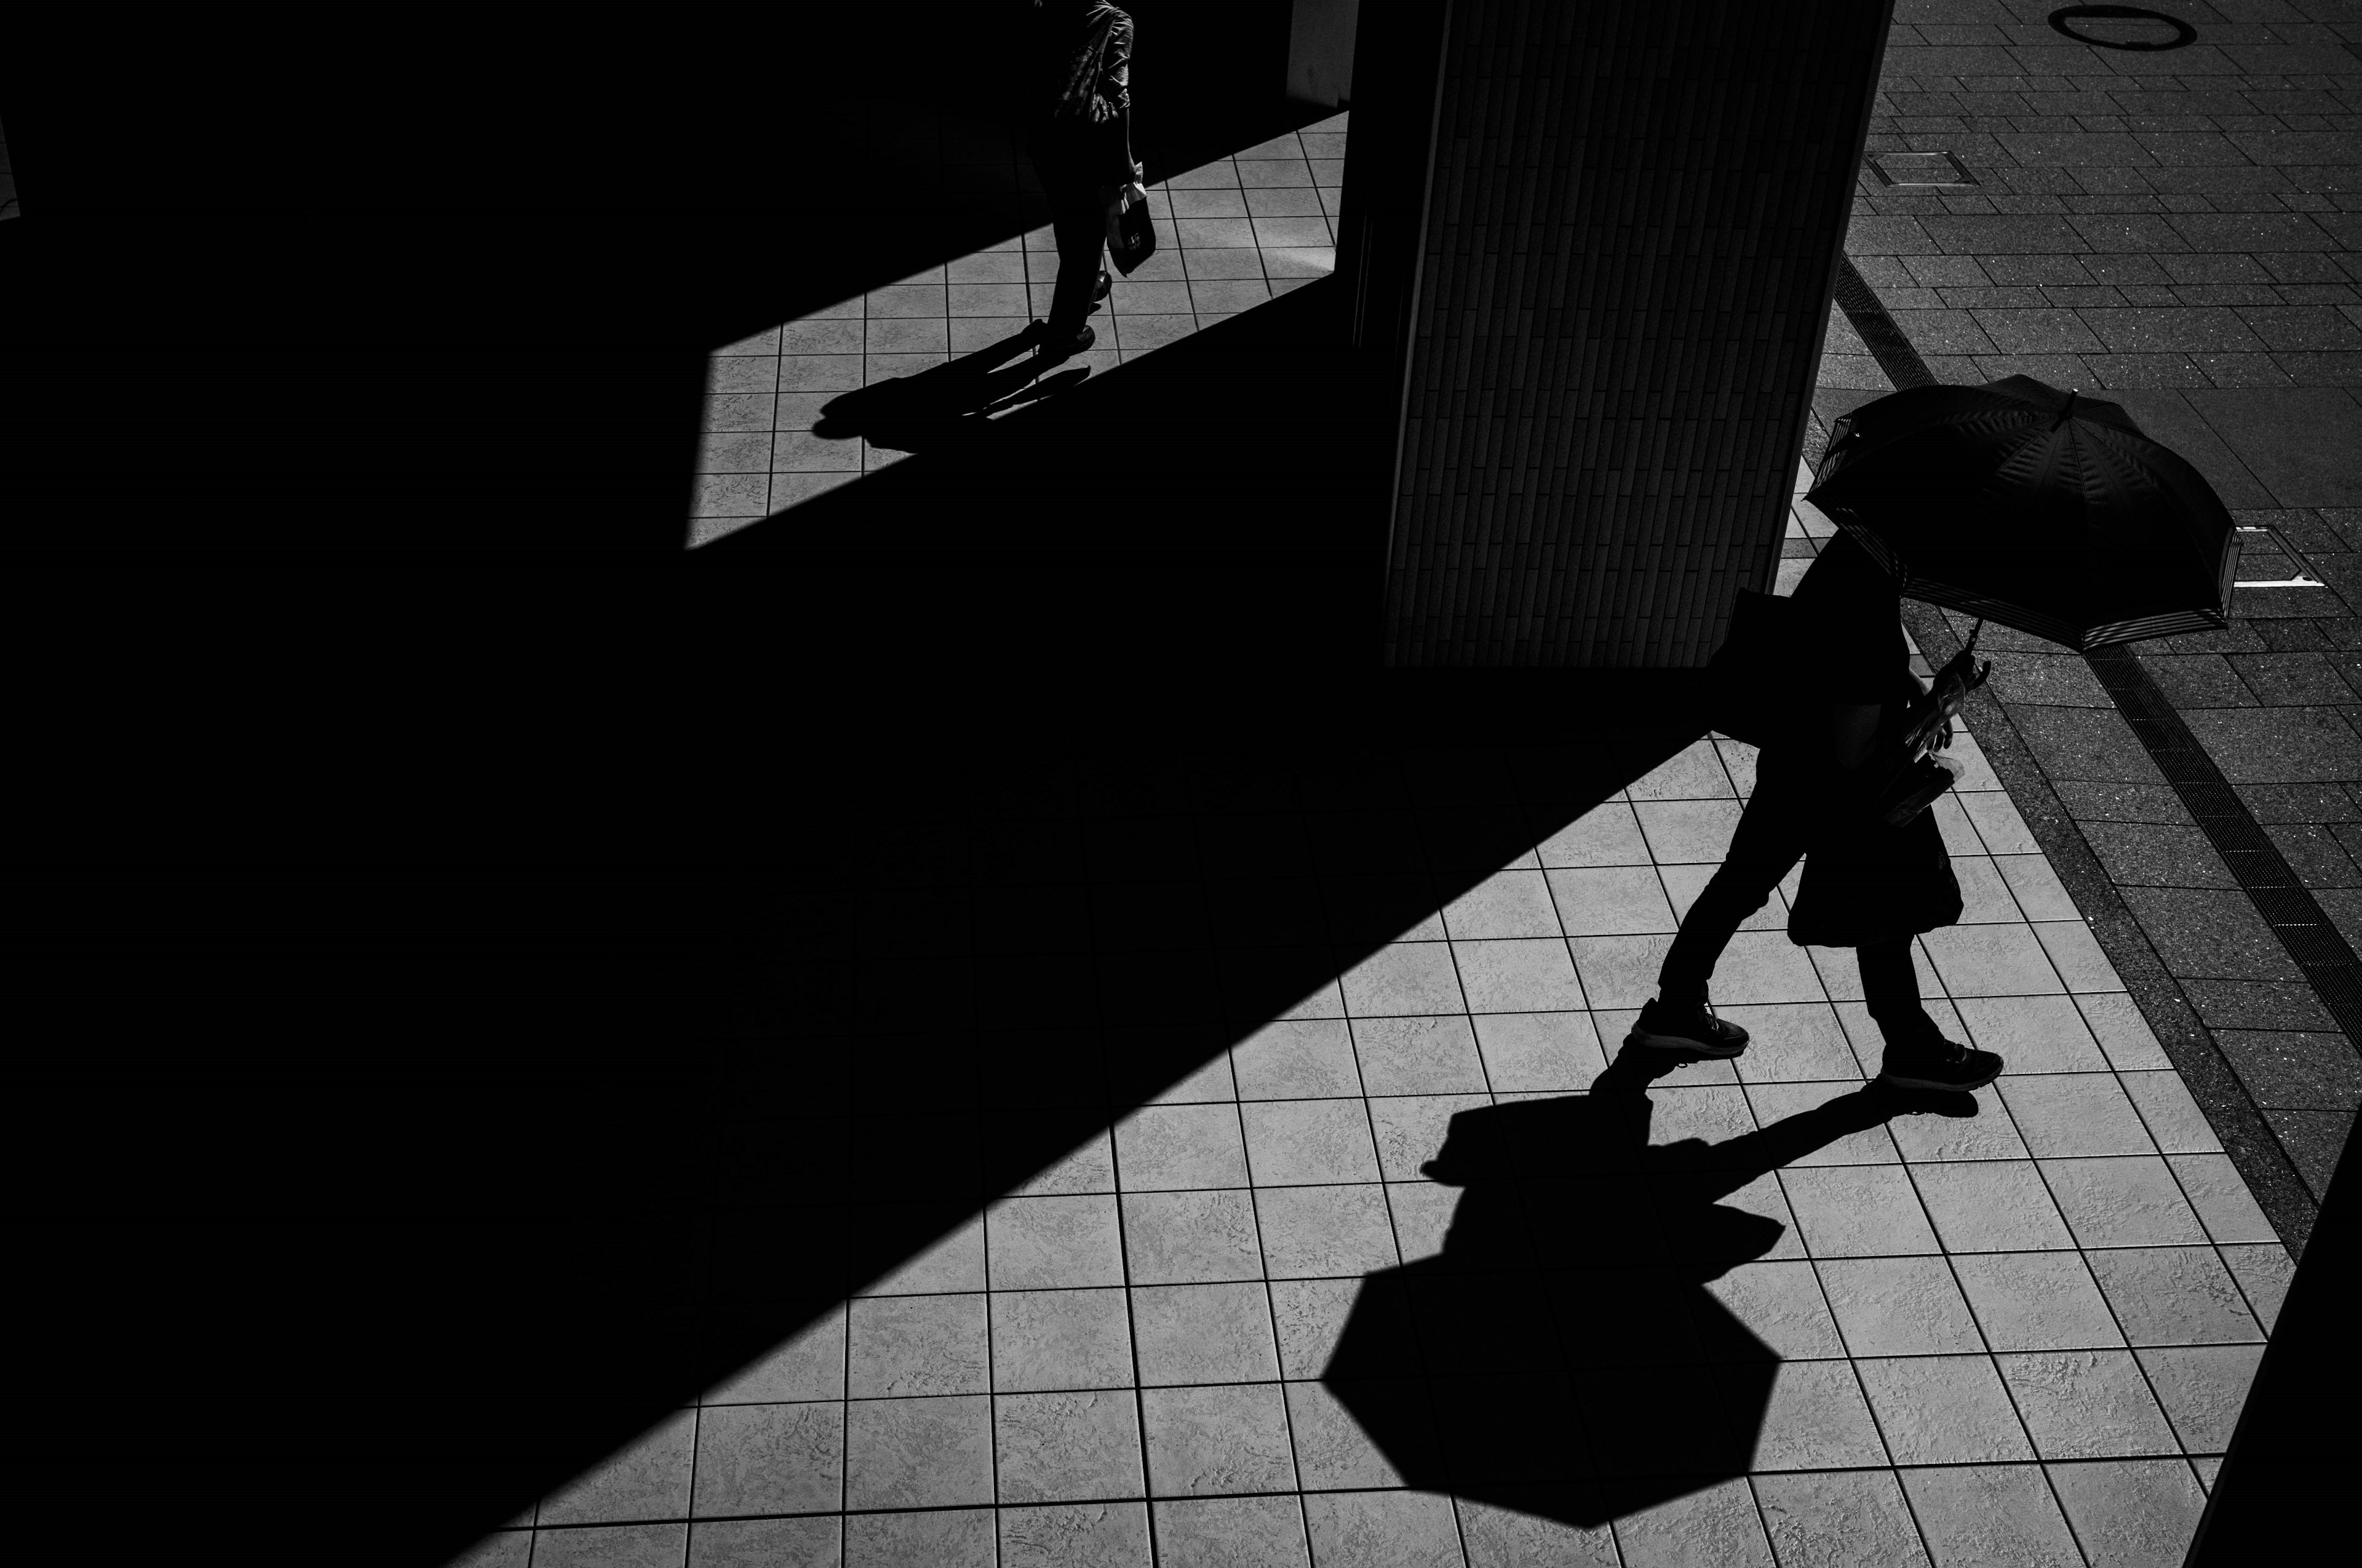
(2176, 230)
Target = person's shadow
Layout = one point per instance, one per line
(951, 402)
(1561, 1355)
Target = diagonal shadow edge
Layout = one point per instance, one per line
(1457, 814)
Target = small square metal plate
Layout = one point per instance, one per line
(1923, 169)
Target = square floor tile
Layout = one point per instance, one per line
(1517, 976)
(1990, 961)
(2027, 1301)
(2005, 1509)
(1907, 1306)
(2075, 1113)
(810, 1543)
(1325, 1231)
(1989, 1134)
(612, 1546)
(2085, 1404)
(1817, 1418)
(1622, 971)
(2263, 1271)
(1309, 1319)
(2131, 1511)
(1075, 1535)
(1508, 904)
(1411, 1129)
(1782, 1304)
(1719, 1525)
(1404, 977)
(2124, 1202)
(1302, 1059)
(2123, 1034)
(1044, 1339)
(1203, 1333)
(2173, 1117)
(1843, 1519)
(1171, 1238)
(1165, 1148)
(918, 1344)
(1691, 831)
(1382, 1530)
(770, 1458)
(1999, 1206)
(1812, 1103)
(1608, 834)
(2167, 1296)
(1610, 900)
(1858, 1211)
(2202, 1389)
(1231, 1532)
(947, 1539)
(1946, 1409)
(1041, 1244)
(2033, 1034)
(1765, 966)
(1684, 883)
(918, 1454)
(2224, 1205)
(1540, 1052)
(1793, 1042)
(1231, 1437)
(1418, 1056)
(1334, 1447)
(1303, 1141)
(1694, 773)
(1051, 1446)
(953, 1261)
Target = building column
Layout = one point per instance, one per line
(1594, 246)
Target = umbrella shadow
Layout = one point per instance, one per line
(1562, 1356)
(948, 404)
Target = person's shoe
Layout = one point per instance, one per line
(1107, 286)
(1664, 1026)
(1938, 1064)
(1050, 347)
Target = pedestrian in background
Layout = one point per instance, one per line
(1081, 145)
(1844, 671)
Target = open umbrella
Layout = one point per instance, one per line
(2040, 509)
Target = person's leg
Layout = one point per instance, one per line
(1769, 840)
(1917, 1055)
(1081, 228)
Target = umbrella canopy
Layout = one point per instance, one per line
(2040, 509)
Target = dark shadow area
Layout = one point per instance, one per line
(427, 333)
(424, 1165)
(1216, 504)
(1562, 1356)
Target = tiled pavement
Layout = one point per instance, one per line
(2016, 1338)
(2020, 1337)
(2178, 230)
(1233, 234)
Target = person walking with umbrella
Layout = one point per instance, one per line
(1831, 751)
(1081, 146)
(2013, 502)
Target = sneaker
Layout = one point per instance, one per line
(1050, 349)
(1669, 1028)
(1107, 286)
(1938, 1064)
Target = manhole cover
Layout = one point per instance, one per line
(1919, 169)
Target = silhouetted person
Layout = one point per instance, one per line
(1081, 146)
(1848, 670)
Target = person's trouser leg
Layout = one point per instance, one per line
(1081, 227)
(1769, 840)
(1890, 989)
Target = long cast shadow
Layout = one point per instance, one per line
(1561, 1355)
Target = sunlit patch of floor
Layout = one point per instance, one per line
(1233, 234)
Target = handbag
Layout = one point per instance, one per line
(1870, 882)
(1131, 239)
